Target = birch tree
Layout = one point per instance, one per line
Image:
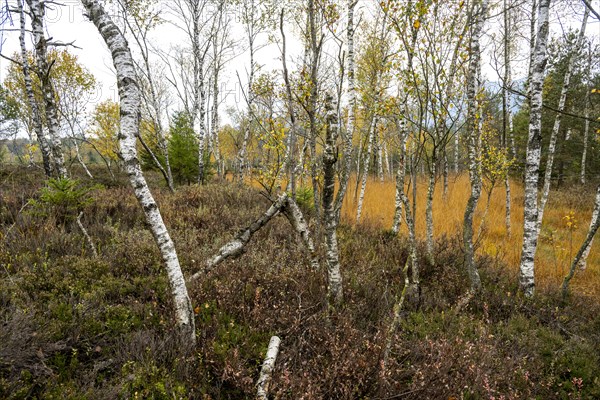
(129, 93)
(478, 15)
(534, 153)
(37, 10)
(558, 119)
(586, 246)
(43, 139)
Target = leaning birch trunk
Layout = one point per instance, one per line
(347, 165)
(334, 277)
(130, 95)
(586, 130)
(588, 248)
(534, 153)
(80, 159)
(294, 215)
(86, 235)
(473, 139)
(266, 372)
(367, 162)
(587, 244)
(37, 11)
(35, 111)
(237, 245)
(557, 122)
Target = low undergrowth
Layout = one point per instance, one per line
(77, 327)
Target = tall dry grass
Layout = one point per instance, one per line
(558, 244)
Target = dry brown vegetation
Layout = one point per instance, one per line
(558, 243)
(77, 327)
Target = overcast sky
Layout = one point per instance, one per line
(66, 23)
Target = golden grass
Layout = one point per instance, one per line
(557, 247)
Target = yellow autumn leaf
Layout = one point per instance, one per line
(417, 24)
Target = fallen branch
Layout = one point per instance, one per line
(236, 246)
(266, 371)
(88, 239)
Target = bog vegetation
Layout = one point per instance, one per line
(404, 204)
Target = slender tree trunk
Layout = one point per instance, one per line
(335, 292)
(446, 173)
(429, 211)
(80, 160)
(534, 153)
(291, 162)
(400, 178)
(130, 95)
(507, 214)
(35, 111)
(367, 162)
(557, 121)
(37, 12)
(202, 136)
(586, 246)
(473, 140)
(586, 130)
(348, 146)
(243, 155)
(507, 114)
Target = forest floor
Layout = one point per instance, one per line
(75, 326)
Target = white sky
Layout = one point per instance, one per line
(66, 23)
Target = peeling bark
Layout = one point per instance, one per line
(534, 153)
(43, 140)
(37, 12)
(236, 247)
(296, 219)
(473, 140)
(266, 372)
(130, 95)
(335, 292)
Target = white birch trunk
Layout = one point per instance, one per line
(37, 12)
(586, 130)
(298, 222)
(557, 121)
(587, 244)
(42, 139)
(534, 153)
(507, 117)
(586, 252)
(367, 162)
(335, 292)
(348, 146)
(400, 178)
(473, 141)
(236, 247)
(266, 372)
(429, 213)
(130, 96)
(87, 237)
